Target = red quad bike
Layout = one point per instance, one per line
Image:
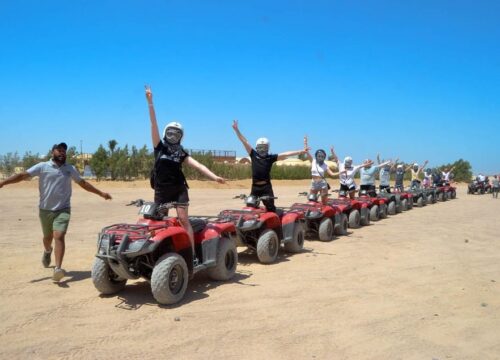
(446, 191)
(263, 231)
(378, 209)
(356, 211)
(321, 221)
(405, 197)
(158, 249)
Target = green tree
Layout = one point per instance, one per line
(30, 159)
(99, 163)
(462, 171)
(9, 162)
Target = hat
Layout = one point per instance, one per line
(60, 145)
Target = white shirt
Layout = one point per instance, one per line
(318, 170)
(347, 178)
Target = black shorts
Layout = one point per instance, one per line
(386, 187)
(177, 193)
(263, 190)
(347, 188)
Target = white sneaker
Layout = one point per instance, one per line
(58, 274)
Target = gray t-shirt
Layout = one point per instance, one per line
(384, 176)
(368, 175)
(400, 174)
(54, 184)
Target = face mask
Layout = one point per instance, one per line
(173, 136)
(262, 150)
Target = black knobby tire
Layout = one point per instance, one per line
(410, 203)
(169, 279)
(226, 261)
(383, 211)
(104, 279)
(392, 208)
(365, 216)
(268, 246)
(325, 231)
(297, 243)
(404, 205)
(374, 213)
(354, 219)
(341, 228)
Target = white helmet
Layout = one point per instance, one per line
(400, 166)
(173, 132)
(348, 161)
(262, 146)
(415, 164)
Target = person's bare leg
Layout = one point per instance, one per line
(182, 214)
(47, 243)
(59, 247)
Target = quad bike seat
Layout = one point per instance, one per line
(197, 224)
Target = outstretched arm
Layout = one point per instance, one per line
(286, 154)
(240, 136)
(91, 188)
(423, 166)
(378, 159)
(334, 156)
(15, 179)
(155, 135)
(204, 170)
(383, 164)
(308, 154)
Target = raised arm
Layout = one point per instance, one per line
(240, 136)
(382, 164)
(155, 135)
(423, 166)
(91, 188)
(15, 179)
(335, 158)
(378, 159)
(394, 163)
(287, 154)
(203, 169)
(308, 154)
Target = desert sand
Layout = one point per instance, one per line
(424, 284)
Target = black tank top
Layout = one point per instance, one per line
(168, 165)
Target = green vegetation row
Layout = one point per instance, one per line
(126, 163)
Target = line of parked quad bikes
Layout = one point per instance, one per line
(157, 248)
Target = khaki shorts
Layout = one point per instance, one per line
(54, 221)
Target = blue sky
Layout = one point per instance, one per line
(410, 79)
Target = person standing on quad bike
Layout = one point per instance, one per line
(55, 208)
(427, 182)
(367, 174)
(447, 175)
(169, 182)
(346, 174)
(262, 161)
(415, 172)
(318, 170)
(400, 174)
(385, 174)
(495, 186)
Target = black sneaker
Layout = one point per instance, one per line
(46, 258)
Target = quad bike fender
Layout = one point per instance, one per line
(179, 238)
(329, 211)
(289, 228)
(289, 218)
(271, 220)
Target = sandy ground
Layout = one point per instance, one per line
(424, 284)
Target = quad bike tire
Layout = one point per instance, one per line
(365, 216)
(105, 280)
(169, 279)
(341, 228)
(430, 199)
(268, 246)
(354, 219)
(391, 209)
(226, 260)
(297, 243)
(325, 231)
(420, 201)
(383, 211)
(404, 205)
(441, 196)
(453, 194)
(410, 204)
(374, 213)
(448, 195)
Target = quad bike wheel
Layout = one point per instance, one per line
(410, 204)
(365, 216)
(453, 194)
(404, 205)
(341, 228)
(383, 211)
(325, 230)
(354, 219)
(105, 280)
(441, 196)
(297, 243)
(374, 213)
(430, 199)
(226, 259)
(267, 247)
(392, 208)
(169, 279)
(420, 201)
